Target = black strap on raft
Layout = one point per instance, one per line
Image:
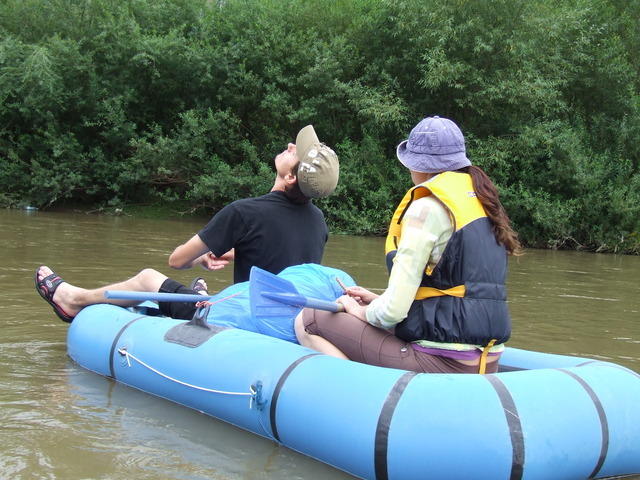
(278, 389)
(112, 368)
(602, 416)
(381, 443)
(194, 332)
(515, 427)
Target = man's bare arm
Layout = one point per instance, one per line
(195, 252)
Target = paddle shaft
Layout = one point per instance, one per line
(298, 300)
(286, 298)
(155, 296)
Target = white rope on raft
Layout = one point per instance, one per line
(124, 352)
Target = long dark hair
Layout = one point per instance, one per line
(488, 195)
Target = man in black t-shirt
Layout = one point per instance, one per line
(274, 231)
(270, 232)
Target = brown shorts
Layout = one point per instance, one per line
(364, 343)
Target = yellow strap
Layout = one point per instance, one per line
(427, 292)
(483, 358)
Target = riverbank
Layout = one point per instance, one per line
(629, 244)
(145, 211)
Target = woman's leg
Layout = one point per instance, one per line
(354, 338)
(315, 342)
(364, 343)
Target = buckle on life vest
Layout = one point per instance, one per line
(428, 292)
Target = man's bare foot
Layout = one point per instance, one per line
(57, 293)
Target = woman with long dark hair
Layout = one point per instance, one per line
(444, 309)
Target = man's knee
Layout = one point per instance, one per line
(147, 273)
(150, 279)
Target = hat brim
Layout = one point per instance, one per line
(318, 169)
(306, 139)
(425, 163)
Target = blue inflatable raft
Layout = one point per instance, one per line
(542, 417)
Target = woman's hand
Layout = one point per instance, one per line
(361, 295)
(352, 307)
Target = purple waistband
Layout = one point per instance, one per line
(454, 354)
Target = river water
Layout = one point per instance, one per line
(59, 421)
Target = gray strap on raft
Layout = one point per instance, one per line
(194, 332)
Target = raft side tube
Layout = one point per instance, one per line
(451, 426)
(329, 409)
(561, 427)
(232, 361)
(516, 359)
(615, 388)
(90, 335)
(575, 418)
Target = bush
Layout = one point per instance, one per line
(113, 103)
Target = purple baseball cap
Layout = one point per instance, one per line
(435, 145)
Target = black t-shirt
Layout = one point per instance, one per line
(269, 232)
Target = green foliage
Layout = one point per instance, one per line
(365, 197)
(116, 102)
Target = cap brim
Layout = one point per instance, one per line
(306, 139)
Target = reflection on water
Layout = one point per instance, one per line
(59, 421)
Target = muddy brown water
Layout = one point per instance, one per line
(59, 421)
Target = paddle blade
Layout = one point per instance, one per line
(275, 296)
(263, 307)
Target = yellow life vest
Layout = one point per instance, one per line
(462, 299)
(455, 191)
